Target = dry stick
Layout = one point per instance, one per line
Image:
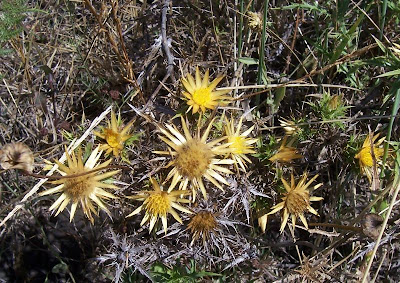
(74, 144)
(357, 219)
(164, 39)
(215, 34)
(124, 58)
(288, 57)
(338, 226)
(333, 121)
(385, 221)
(128, 62)
(76, 175)
(344, 59)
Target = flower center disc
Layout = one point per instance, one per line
(112, 138)
(78, 187)
(202, 96)
(158, 204)
(237, 145)
(204, 222)
(297, 203)
(193, 159)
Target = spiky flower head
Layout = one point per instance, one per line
(296, 201)
(240, 144)
(193, 158)
(202, 224)
(79, 186)
(286, 153)
(364, 156)
(114, 136)
(158, 203)
(16, 156)
(201, 94)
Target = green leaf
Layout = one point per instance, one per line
(389, 74)
(248, 61)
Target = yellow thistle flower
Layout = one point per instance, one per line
(194, 158)
(296, 201)
(84, 189)
(201, 225)
(114, 135)
(158, 203)
(16, 156)
(239, 143)
(286, 153)
(364, 156)
(201, 94)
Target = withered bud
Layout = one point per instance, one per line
(372, 225)
(16, 156)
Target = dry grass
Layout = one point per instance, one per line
(74, 60)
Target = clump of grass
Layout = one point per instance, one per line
(12, 13)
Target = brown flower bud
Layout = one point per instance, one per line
(16, 156)
(372, 225)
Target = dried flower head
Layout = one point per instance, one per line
(286, 153)
(84, 188)
(255, 20)
(158, 203)
(201, 94)
(202, 224)
(194, 158)
(240, 144)
(16, 156)
(372, 225)
(289, 126)
(114, 135)
(296, 201)
(364, 156)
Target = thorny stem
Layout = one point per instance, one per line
(75, 175)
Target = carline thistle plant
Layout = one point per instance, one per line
(296, 201)
(85, 189)
(193, 158)
(114, 136)
(239, 143)
(200, 93)
(365, 158)
(158, 203)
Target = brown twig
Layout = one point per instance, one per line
(75, 175)
(289, 56)
(166, 42)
